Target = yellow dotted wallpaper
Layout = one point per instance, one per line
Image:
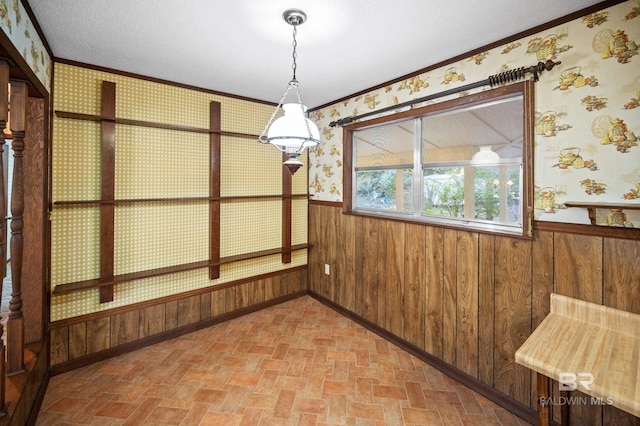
(161, 165)
(77, 172)
(155, 235)
(299, 224)
(75, 246)
(241, 217)
(250, 168)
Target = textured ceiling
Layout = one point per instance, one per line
(244, 47)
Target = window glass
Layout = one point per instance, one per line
(460, 165)
(479, 130)
(384, 167)
(385, 189)
(444, 191)
(387, 145)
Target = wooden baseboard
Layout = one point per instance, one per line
(517, 408)
(174, 297)
(170, 334)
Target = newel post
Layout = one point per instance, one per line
(4, 111)
(15, 323)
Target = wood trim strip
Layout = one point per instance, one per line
(476, 385)
(172, 298)
(326, 203)
(20, 68)
(151, 124)
(229, 198)
(214, 190)
(597, 231)
(124, 278)
(252, 197)
(107, 188)
(117, 279)
(432, 224)
(158, 80)
(347, 170)
(170, 334)
(528, 93)
(263, 253)
(287, 211)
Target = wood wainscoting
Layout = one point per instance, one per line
(466, 298)
(82, 340)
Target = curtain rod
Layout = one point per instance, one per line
(493, 80)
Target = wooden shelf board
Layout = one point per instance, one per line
(151, 124)
(65, 203)
(592, 207)
(622, 206)
(119, 279)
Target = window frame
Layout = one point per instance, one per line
(525, 89)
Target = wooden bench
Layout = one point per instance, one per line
(587, 347)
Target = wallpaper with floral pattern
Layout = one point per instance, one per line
(15, 23)
(587, 120)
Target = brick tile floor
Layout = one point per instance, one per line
(298, 363)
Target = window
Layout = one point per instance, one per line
(460, 163)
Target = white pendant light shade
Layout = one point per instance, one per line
(485, 155)
(293, 132)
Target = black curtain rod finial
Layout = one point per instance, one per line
(342, 122)
(548, 66)
(542, 66)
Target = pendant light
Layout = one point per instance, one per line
(485, 155)
(292, 132)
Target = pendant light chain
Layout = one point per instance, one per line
(294, 66)
(292, 83)
(291, 144)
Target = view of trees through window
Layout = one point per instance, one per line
(492, 198)
(378, 189)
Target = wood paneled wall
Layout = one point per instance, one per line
(34, 279)
(467, 298)
(80, 340)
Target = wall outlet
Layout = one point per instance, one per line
(327, 269)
